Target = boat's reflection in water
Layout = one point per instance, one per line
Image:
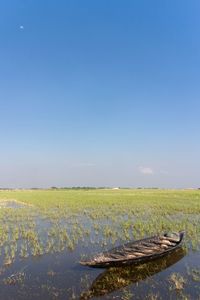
(115, 278)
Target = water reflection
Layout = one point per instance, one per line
(11, 204)
(116, 278)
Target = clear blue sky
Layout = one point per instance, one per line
(99, 93)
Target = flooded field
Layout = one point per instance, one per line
(44, 235)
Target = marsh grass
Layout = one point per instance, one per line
(97, 216)
(178, 281)
(58, 221)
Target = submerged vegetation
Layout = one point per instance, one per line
(43, 223)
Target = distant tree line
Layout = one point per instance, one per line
(78, 188)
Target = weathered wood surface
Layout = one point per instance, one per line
(137, 251)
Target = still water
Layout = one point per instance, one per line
(58, 274)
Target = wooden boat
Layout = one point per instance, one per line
(136, 252)
(113, 279)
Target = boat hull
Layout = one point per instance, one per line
(119, 256)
